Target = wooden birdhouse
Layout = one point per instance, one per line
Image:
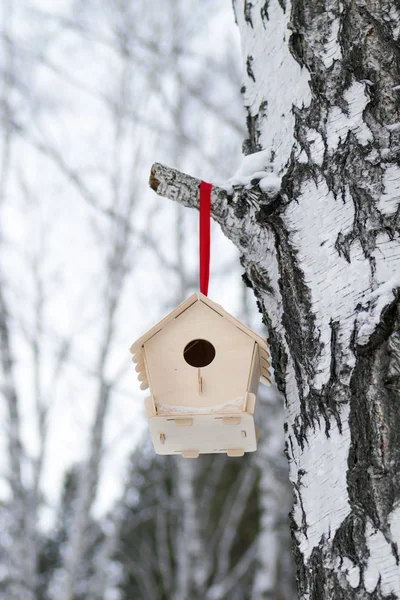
(203, 368)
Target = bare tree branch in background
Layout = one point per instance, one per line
(22, 557)
(119, 265)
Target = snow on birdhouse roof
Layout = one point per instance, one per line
(136, 346)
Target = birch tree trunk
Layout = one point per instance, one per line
(318, 229)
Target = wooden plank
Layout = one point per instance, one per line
(264, 363)
(161, 324)
(183, 422)
(266, 373)
(254, 373)
(265, 381)
(217, 308)
(190, 453)
(150, 407)
(264, 354)
(231, 420)
(207, 435)
(250, 403)
(146, 383)
(235, 452)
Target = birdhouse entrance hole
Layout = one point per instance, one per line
(199, 353)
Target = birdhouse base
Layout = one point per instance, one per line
(232, 434)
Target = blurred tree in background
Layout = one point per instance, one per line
(92, 92)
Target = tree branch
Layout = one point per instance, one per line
(227, 209)
(183, 188)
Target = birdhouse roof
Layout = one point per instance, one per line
(136, 346)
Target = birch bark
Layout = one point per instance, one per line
(322, 252)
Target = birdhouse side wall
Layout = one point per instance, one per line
(254, 376)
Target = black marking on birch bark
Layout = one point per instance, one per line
(392, 378)
(373, 477)
(247, 281)
(262, 113)
(294, 528)
(326, 582)
(342, 245)
(247, 9)
(303, 341)
(301, 570)
(271, 207)
(259, 278)
(282, 4)
(294, 178)
(264, 12)
(328, 401)
(252, 143)
(297, 486)
(249, 68)
(234, 11)
(349, 540)
(279, 357)
(318, 577)
(296, 47)
(389, 323)
(323, 578)
(370, 52)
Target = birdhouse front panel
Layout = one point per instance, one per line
(199, 360)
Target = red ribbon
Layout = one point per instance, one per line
(205, 203)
